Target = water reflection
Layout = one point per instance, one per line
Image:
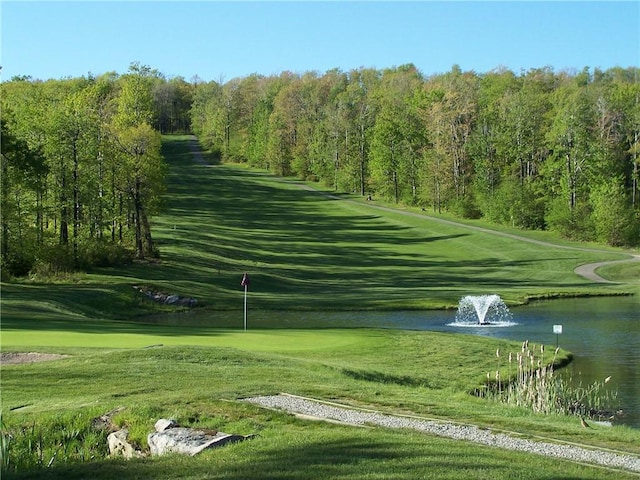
(603, 333)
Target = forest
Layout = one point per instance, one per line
(83, 172)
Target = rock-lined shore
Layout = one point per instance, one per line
(471, 433)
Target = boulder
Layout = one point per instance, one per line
(171, 299)
(188, 441)
(119, 446)
(164, 424)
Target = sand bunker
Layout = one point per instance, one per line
(16, 358)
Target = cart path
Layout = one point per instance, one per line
(196, 151)
(314, 409)
(587, 271)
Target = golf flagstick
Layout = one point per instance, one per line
(245, 284)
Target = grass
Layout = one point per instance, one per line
(302, 251)
(528, 378)
(295, 449)
(622, 272)
(305, 250)
(199, 386)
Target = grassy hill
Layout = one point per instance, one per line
(309, 249)
(303, 249)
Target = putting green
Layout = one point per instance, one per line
(132, 335)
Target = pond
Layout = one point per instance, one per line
(603, 333)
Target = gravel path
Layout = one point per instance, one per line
(471, 433)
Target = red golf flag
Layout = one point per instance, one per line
(245, 280)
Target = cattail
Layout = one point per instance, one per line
(557, 350)
(510, 357)
(498, 353)
(542, 349)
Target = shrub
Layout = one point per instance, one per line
(576, 224)
(16, 265)
(52, 260)
(466, 208)
(104, 254)
(613, 216)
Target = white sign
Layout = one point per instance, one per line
(557, 329)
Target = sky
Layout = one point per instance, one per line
(219, 41)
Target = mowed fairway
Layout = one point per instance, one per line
(303, 249)
(306, 249)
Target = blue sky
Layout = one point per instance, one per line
(223, 40)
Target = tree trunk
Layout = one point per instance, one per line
(138, 219)
(148, 240)
(76, 204)
(635, 174)
(571, 183)
(64, 210)
(363, 156)
(5, 210)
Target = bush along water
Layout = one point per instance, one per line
(528, 379)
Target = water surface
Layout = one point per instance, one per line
(603, 333)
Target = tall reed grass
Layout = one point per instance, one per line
(5, 438)
(532, 382)
(59, 439)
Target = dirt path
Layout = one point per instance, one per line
(194, 146)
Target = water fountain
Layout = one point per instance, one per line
(483, 310)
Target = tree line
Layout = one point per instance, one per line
(82, 170)
(82, 167)
(538, 150)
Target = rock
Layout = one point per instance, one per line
(188, 441)
(188, 302)
(603, 423)
(119, 446)
(166, 298)
(164, 424)
(169, 437)
(104, 422)
(171, 299)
